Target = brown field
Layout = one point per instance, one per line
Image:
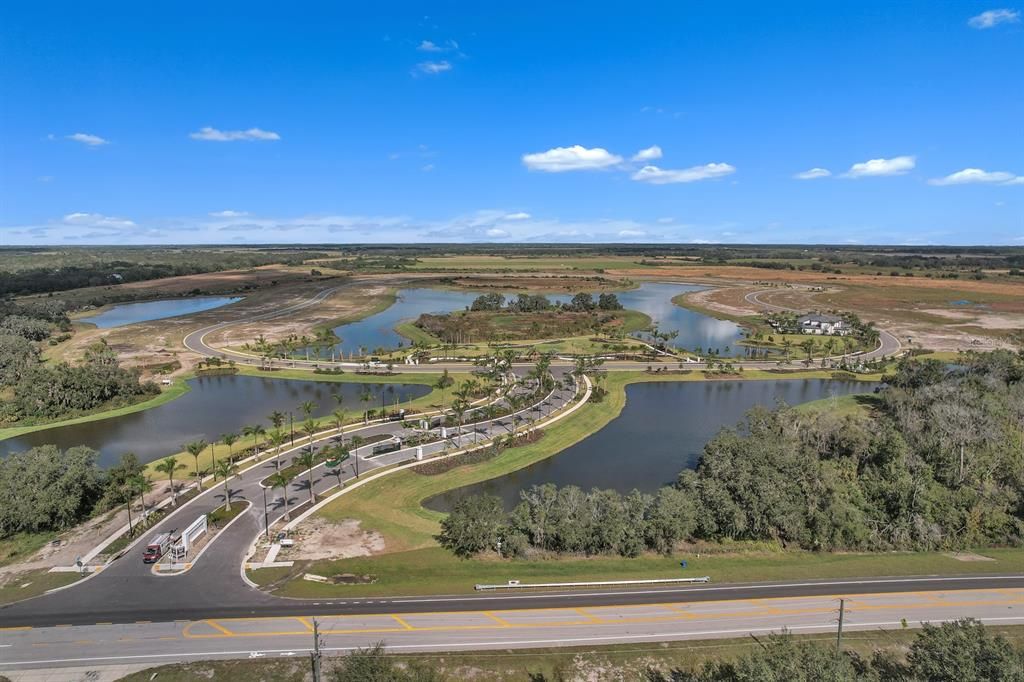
(918, 309)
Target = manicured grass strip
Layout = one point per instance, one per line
(179, 388)
(433, 570)
(33, 583)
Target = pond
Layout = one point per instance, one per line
(653, 298)
(662, 429)
(129, 313)
(696, 330)
(214, 406)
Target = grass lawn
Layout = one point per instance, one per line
(854, 404)
(393, 507)
(433, 570)
(33, 583)
(21, 545)
(179, 388)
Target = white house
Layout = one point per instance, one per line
(828, 325)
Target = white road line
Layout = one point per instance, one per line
(824, 627)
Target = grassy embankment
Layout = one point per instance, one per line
(614, 662)
(414, 564)
(34, 583)
(169, 393)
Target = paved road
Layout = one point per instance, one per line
(496, 626)
(127, 584)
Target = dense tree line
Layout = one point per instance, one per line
(961, 651)
(46, 279)
(939, 464)
(44, 489)
(61, 390)
(531, 303)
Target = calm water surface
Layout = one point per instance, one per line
(129, 313)
(696, 330)
(215, 405)
(653, 298)
(662, 429)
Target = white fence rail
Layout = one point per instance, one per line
(516, 585)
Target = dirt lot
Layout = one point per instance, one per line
(318, 538)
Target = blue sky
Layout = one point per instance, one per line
(566, 122)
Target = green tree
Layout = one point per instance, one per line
(225, 469)
(277, 439)
(168, 466)
(195, 448)
(255, 430)
(473, 526)
(442, 384)
(963, 651)
(308, 460)
(281, 481)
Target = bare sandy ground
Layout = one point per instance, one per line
(318, 538)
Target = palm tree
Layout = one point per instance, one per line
(277, 439)
(459, 407)
(168, 466)
(365, 397)
(308, 460)
(230, 439)
(309, 427)
(256, 430)
(277, 419)
(281, 481)
(339, 422)
(307, 408)
(808, 347)
(340, 455)
(195, 448)
(442, 383)
(143, 484)
(338, 399)
(226, 469)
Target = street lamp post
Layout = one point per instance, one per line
(266, 517)
(291, 427)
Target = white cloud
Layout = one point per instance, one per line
(88, 140)
(572, 158)
(631, 233)
(898, 165)
(428, 46)
(994, 17)
(427, 168)
(813, 174)
(517, 216)
(664, 176)
(209, 134)
(432, 68)
(496, 232)
(970, 176)
(228, 214)
(650, 154)
(96, 220)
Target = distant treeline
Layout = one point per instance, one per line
(938, 465)
(44, 278)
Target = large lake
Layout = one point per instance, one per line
(653, 298)
(129, 313)
(214, 406)
(662, 429)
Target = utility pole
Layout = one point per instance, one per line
(839, 632)
(266, 517)
(315, 655)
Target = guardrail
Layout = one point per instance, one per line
(516, 585)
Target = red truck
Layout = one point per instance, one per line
(156, 548)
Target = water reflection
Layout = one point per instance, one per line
(215, 405)
(662, 429)
(130, 313)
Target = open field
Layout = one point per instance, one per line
(26, 584)
(617, 662)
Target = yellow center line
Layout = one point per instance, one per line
(500, 621)
(401, 621)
